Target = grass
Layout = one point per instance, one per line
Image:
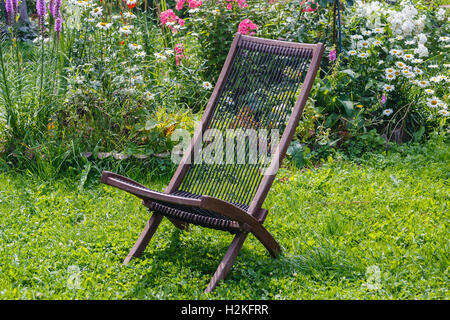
(376, 229)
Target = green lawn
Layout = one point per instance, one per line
(373, 230)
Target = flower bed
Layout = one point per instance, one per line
(120, 80)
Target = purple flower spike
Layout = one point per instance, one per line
(41, 9)
(383, 99)
(332, 55)
(52, 8)
(9, 7)
(58, 7)
(58, 25)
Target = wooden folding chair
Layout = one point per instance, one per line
(255, 90)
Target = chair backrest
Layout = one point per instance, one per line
(254, 98)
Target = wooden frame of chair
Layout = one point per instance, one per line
(241, 221)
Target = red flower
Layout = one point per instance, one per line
(131, 4)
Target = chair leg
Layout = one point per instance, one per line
(144, 238)
(228, 261)
(267, 240)
(180, 224)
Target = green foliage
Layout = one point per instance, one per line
(377, 230)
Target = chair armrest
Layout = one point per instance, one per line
(143, 192)
(228, 210)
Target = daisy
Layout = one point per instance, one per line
(433, 66)
(207, 85)
(352, 52)
(104, 25)
(396, 52)
(418, 71)
(126, 29)
(408, 56)
(149, 96)
(83, 3)
(390, 70)
(391, 76)
(168, 52)
(429, 91)
(443, 112)
(229, 100)
(378, 30)
(416, 60)
(377, 43)
(400, 64)
(363, 55)
(423, 84)
(433, 102)
(140, 54)
(366, 32)
(135, 46)
(387, 112)
(356, 37)
(435, 79)
(444, 39)
(364, 44)
(442, 105)
(160, 56)
(96, 12)
(137, 79)
(393, 51)
(408, 73)
(388, 87)
(127, 15)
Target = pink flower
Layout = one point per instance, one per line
(383, 99)
(241, 3)
(178, 58)
(306, 5)
(168, 16)
(169, 19)
(246, 26)
(180, 4)
(195, 3)
(332, 55)
(192, 4)
(179, 48)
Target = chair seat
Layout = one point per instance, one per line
(194, 215)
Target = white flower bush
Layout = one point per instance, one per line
(393, 67)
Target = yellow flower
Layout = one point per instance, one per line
(359, 106)
(169, 130)
(51, 126)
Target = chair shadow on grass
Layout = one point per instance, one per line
(202, 259)
(199, 257)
